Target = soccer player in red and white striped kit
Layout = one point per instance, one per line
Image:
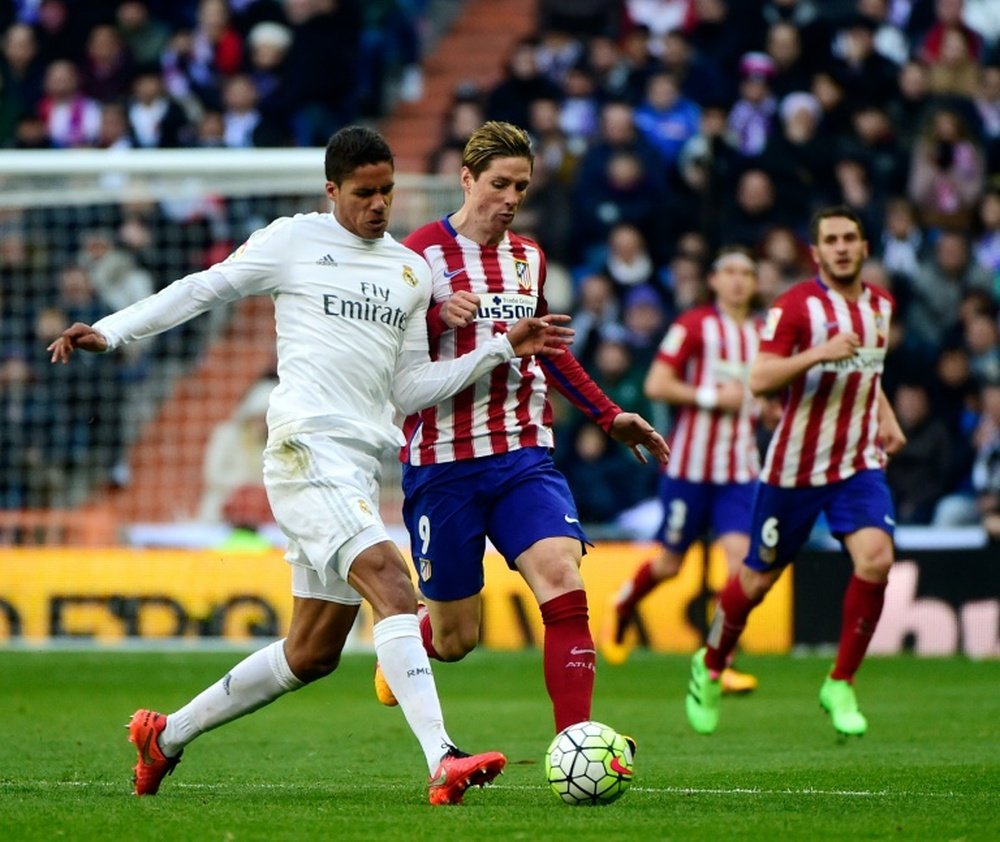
(702, 367)
(478, 465)
(823, 346)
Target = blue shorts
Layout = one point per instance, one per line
(783, 517)
(514, 499)
(692, 510)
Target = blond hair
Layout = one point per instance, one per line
(495, 139)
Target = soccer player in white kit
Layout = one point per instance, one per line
(350, 313)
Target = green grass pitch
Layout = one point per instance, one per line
(329, 762)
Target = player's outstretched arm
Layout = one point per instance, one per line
(77, 336)
(545, 335)
(634, 430)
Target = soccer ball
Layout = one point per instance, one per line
(589, 763)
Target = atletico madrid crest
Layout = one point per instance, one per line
(523, 271)
(425, 569)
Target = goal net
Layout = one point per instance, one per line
(165, 432)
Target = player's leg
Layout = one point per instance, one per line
(311, 650)
(533, 523)
(780, 523)
(685, 519)
(379, 574)
(551, 568)
(734, 546)
(861, 513)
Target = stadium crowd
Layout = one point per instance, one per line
(663, 130)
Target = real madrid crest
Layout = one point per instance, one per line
(409, 277)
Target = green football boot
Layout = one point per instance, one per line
(837, 699)
(703, 695)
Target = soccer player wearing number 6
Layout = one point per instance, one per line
(823, 345)
(702, 367)
(350, 308)
(477, 466)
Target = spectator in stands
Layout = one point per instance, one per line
(986, 242)
(751, 117)
(628, 261)
(792, 70)
(597, 308)
(789, 254)
(520, 86)
(981, 503)
(245, 511)
(115, 275)
(919, 474)
(581, 18)
(242, 123)
(234, 454)
(114, 133)
(77, 297)
(987, 105)
(956, 70)
(908, 110)
(609, 68)
(216, 47)
(855, 190)
(72, 119)
(22, 68)
(321, 71)
(901, 248)
(948, 16)
(268, 43)
(874, 143)
(889, 40)
(390, 51)
(753, 211)
(867, 76)
(156, 120)
(666, 118)
(836, 120)
(644, 318)
(981, 342)
(946, 174)
(107, 67)
(700, 80)
(708, 166)
(798, 157)
(940, 284)
(579, 109)
(144, 35)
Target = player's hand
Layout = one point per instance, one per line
(890, 437)
(840, 346)
(460, 309)
(633, 430)
(543, 335)
(731, 396)
(76, 336)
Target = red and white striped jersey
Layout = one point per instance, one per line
(509, 409)
(706, 347)
(829, 425)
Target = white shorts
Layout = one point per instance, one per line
(324, 495)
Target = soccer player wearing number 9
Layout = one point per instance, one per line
(823, 345)
(477, 465)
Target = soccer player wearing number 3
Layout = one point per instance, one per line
(350, 307)
(477, 466)
(823, 345)
(702, 367)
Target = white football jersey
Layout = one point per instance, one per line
(345, 309)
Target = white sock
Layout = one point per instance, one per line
(406, 668)
(254, 682)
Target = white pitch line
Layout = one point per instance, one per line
(668, 790)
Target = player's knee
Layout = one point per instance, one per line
(312, 663)
(666, 566)
(456, 643)
(874, 565)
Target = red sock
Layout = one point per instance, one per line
(862, 608)
(569, 657)
(427, 636)
(730, 619)
(642, 583)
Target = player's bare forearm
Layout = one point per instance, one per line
(771, 372)
(890, 434)
(634, 430)
(76, 336)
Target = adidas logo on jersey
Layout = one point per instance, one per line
(326, 260)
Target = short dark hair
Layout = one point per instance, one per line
(842, 211)
(353, 147)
